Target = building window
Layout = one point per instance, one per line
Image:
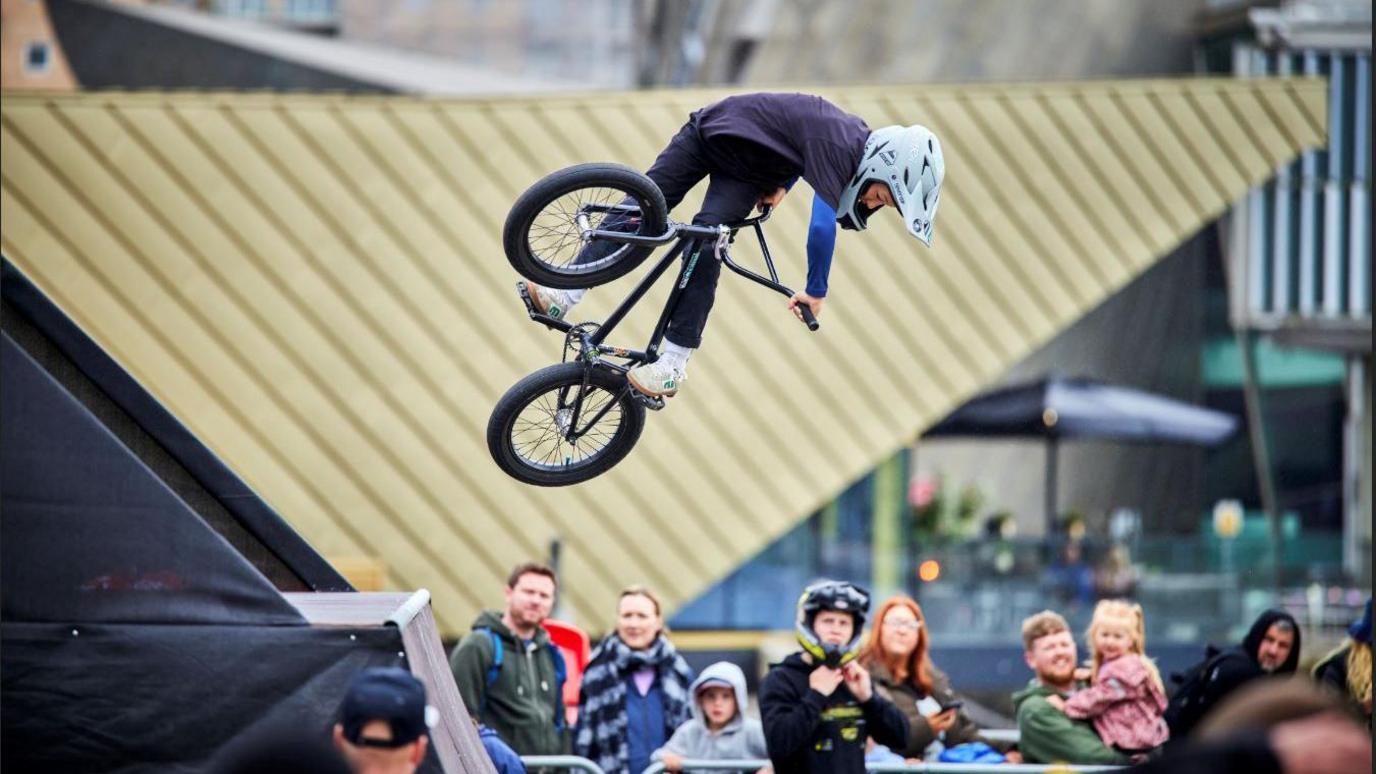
(37, 58)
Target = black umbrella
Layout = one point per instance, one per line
(1055, 408)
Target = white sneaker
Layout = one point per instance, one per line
(657, 379)
(550, 302)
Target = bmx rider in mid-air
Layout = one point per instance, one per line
(753, 148)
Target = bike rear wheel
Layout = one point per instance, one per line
(543, 232)
(529, 431)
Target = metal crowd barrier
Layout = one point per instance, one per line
(1010, 735)
(736, 765)
(570, 762)
(988, 767)
(573, 762)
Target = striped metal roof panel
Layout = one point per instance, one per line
(315, 285)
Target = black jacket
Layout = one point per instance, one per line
(809, 732)
(1227, 671)
(1239, 666)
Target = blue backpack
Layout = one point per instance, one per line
(495, 669)
(971, 752)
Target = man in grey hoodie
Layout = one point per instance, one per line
(719, 729)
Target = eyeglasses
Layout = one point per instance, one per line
(903, 626)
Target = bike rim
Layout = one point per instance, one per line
(539, 432)
(556, 239)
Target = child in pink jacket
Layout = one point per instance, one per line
(1126, 699)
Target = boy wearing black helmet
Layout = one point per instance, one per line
(818, 705)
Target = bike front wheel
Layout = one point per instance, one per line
(543, 236)
(564, 424)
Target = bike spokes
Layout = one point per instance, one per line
(556, 234)
(566, 427)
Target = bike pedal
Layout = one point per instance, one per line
(653, 404)
(543, 319)
(522, 289)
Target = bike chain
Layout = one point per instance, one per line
(573, 341)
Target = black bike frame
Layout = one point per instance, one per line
(687, 235)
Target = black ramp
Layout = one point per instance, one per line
(135, 698)
(90, 534)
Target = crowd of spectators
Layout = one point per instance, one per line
(848, 698)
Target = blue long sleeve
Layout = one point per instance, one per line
(821, 242)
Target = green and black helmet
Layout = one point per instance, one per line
(840, 596)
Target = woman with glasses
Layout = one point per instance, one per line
(896, 657)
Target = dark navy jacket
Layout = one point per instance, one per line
(644, 724)
(773, 139)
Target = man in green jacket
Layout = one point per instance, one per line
(1047, 735)
(521, 698)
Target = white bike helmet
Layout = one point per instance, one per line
(908, 159)
(831, 595)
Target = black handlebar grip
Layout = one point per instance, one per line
(809, 317)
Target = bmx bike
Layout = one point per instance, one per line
(578, 228)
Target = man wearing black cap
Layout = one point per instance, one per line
(382, 722)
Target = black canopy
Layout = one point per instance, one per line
(1057, 407)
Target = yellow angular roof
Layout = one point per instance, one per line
(315, 285)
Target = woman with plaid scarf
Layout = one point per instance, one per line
(635, 690)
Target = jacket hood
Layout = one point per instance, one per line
(729, 673)
(1034, 687)
(491, 619)
(1252, 642)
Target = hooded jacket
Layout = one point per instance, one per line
(809, 732)
(1237, 666)
(1047, 735)
(1229, 670)
(740, 738)
(525, 703)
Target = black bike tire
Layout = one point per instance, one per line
(516, 231)
(521, 394)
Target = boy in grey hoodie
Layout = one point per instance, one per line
(719, 729)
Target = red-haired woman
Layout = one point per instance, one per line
(896, 657)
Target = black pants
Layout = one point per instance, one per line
(680, 166)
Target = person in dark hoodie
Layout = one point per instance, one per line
(1271, 647)
(508, 671)
(819, 706)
